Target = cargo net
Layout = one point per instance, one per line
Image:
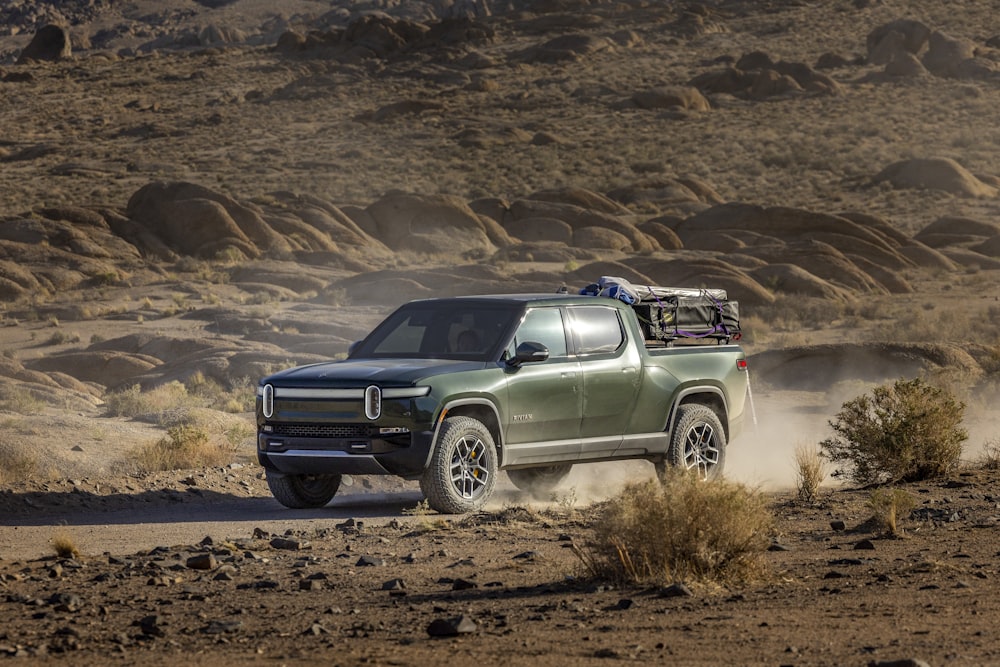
(668, 314)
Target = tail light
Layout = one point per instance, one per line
(741, 364)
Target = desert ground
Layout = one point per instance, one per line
(195, 194)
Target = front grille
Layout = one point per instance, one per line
(323, 430)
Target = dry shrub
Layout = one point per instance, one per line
(184, 446)
(133, 402)
(685, 529)
(908, 431)
(990, 458)
(810, 471)
(63, 545)
(889, 505)
(17, 462)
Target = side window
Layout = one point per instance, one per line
(597, 330)
(545, 326)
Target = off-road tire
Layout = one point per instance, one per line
(540, 482)
(698, 442)
(303, 491)
(463, 469)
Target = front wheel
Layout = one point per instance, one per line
(303, 491)
(463, 469)
(540, 482)
(698, 442)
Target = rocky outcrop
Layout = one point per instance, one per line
(935, 174)
(52, 42)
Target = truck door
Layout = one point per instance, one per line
(610, 368)
(544, 398)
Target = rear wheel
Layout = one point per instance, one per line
(540, 482)
(463, 469)
(303, 491)
(698, 443)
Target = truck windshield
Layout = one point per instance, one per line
(442, 330)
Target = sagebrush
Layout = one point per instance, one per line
(184, 446)
(903, 432)
(684, 529)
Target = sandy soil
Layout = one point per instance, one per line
(97, 294)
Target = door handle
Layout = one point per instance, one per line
(628, 369)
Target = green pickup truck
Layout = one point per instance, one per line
(451, 391)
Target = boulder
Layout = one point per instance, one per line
(434, 224)
(935, 174)
(947, 55)
(905, 64)
(578, 217)
(194, 220)
(666, 97)
(104, 367)
(540, 229)
(908, 34)
(51, 42)
(794, 280)
(600, 238)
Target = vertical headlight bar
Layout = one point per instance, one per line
(373, 402)
(267, 401)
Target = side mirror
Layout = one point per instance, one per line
(529, 352)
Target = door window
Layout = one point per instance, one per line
(597, 330)
(545, 326)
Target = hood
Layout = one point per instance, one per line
(361, 373)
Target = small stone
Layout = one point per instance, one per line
(152, 626)
(287, 544)
(865, 545)
(624, 603)
(450, 627)
(675, 591)
(833, 574)
(315, 630)
(202, 562)
(776, 546)
(370, 561)
(394, 585)
(463, 585)
(66, 602)
(222, 627)
(906, 662)
(310, 585)
(838, 525)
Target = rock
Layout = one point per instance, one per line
(289, 544)
(947, 55)
(51, 42)
(886, 40)
(864, 545)
(683, 97)
(394, 585)
(65, 602)
(675, 591)
(905, 64)
(905, 662)
(202, 562)
(463, 585)
(152, 625)
(838, 525)
(451, 627)
(220, 627)
(369, 561)
(935, 174)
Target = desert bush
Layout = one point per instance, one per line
(184, 446)
(683, 529)
(906, 431)
(133, 402)
(810, 471)
(17, 462)
(888, 506)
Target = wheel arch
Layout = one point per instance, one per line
(479, 409)
(710, 396)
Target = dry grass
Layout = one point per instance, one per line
(17, 462)
(63, 545)
(810, 471)
(990, 457)
(888, 506)
(682, 530)
(184, 446)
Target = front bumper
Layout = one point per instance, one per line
(291, 455)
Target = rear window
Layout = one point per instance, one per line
(597, 330)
